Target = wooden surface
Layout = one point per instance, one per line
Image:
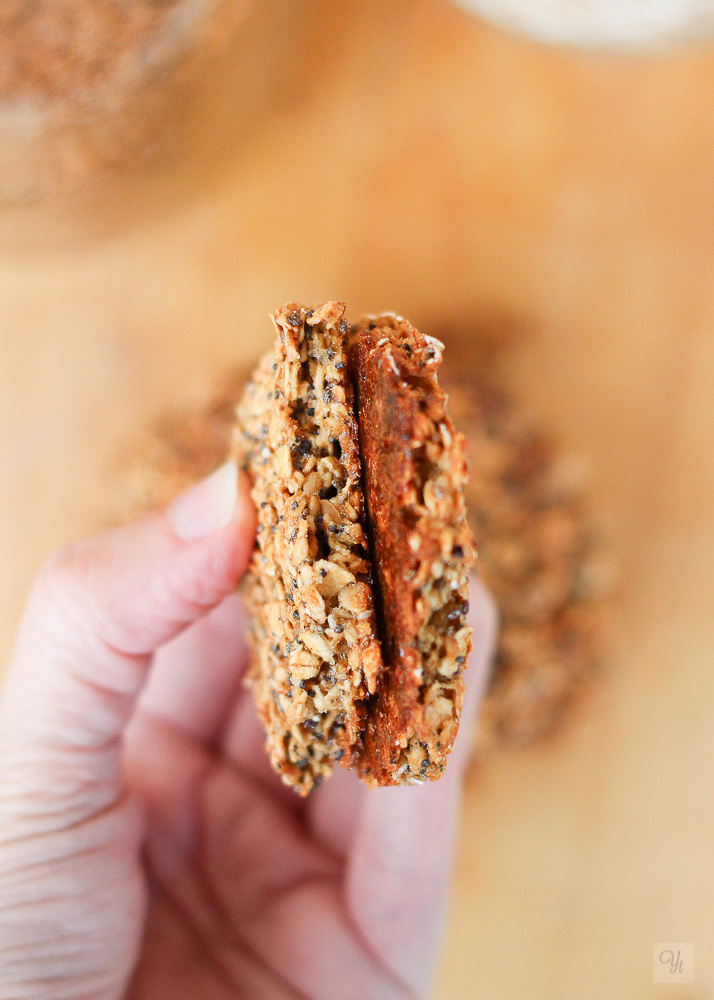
(405, 156)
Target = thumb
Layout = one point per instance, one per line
(95, 615)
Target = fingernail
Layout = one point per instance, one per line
(206, 507)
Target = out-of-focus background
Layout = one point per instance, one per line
(410, 156)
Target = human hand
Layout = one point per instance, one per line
(146, 848)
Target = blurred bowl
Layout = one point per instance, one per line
(629, 24)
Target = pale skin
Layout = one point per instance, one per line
(147, 850)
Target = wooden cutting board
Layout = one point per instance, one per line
(406, 156)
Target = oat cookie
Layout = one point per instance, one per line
(414, 472)
(331, 577)
(316, 652)
(541, 554)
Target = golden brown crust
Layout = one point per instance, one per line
(414, 471)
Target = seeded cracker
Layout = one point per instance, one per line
(316, 655)
(330, 576)
(414, 472)
(539, 555)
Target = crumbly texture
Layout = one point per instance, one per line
(414, 472)
(540, 554)
(325, 688)
(316, 654)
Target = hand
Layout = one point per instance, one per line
(146, 848)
